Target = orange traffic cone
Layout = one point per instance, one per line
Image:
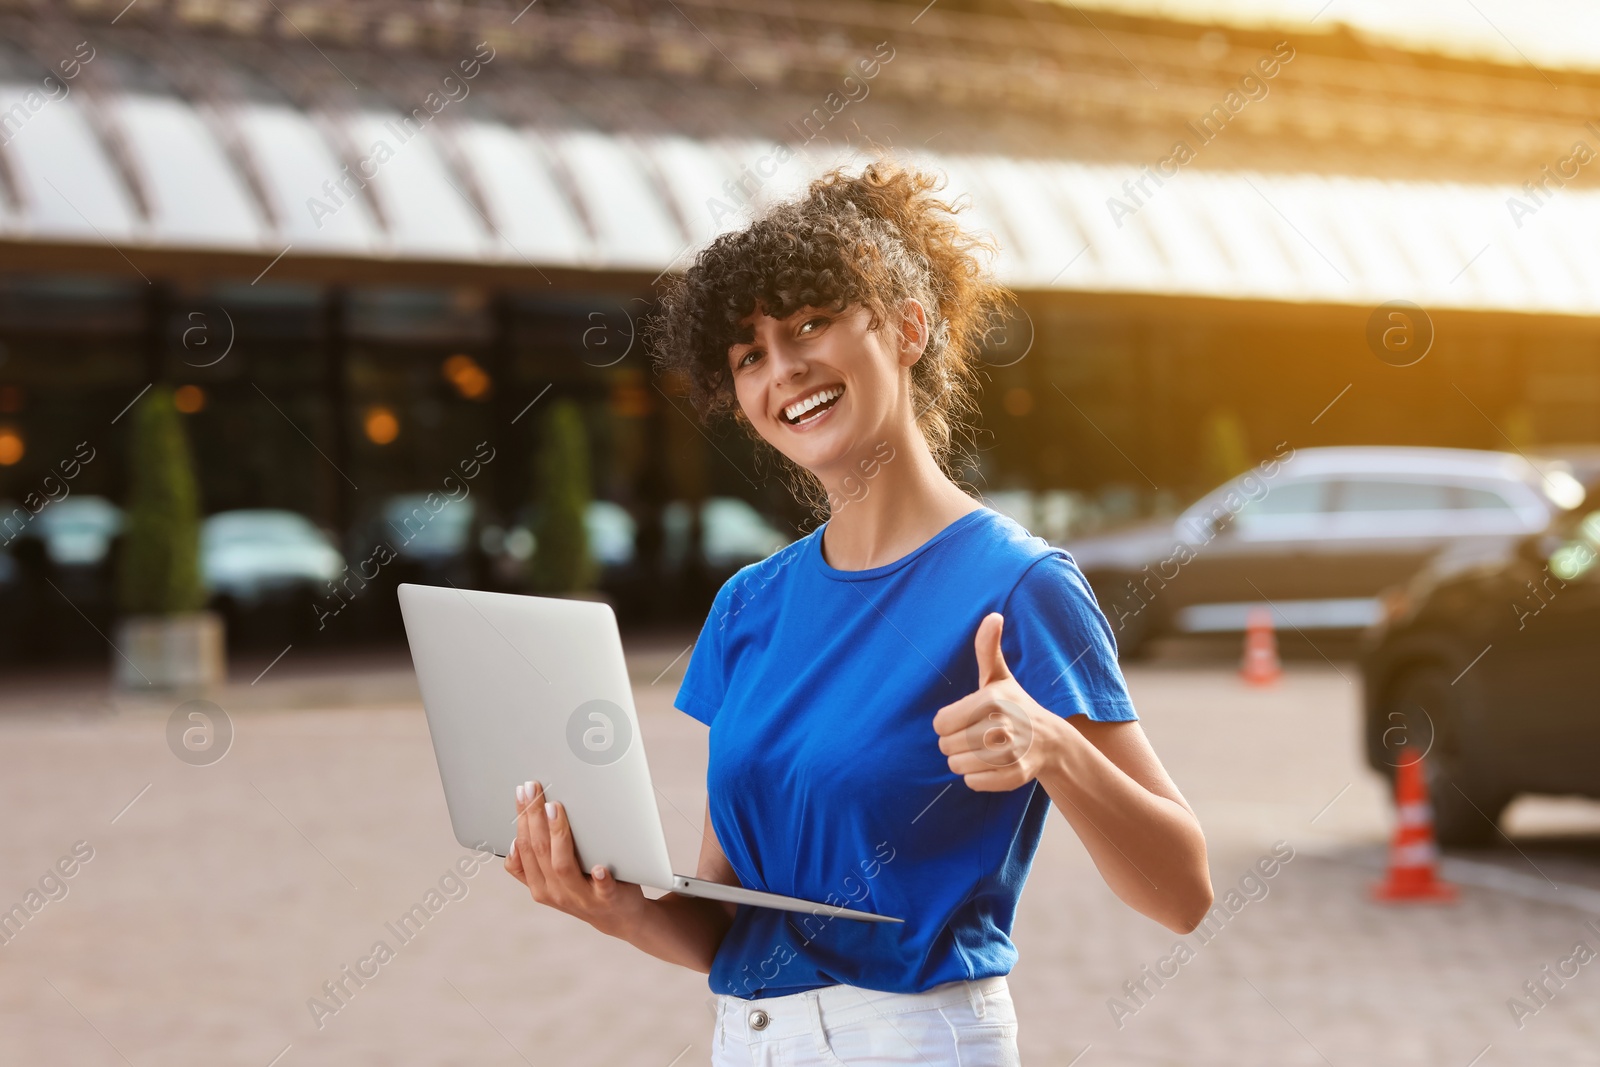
(1413, 857)
(1260, 665)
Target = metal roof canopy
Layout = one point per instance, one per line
(486, 199)
(1550, 34)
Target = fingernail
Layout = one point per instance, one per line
(549, 810)
(511, 848)
(520, 799)
(599, 874)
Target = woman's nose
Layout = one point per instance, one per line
(785, 362)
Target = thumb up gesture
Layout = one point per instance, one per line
(997, 738)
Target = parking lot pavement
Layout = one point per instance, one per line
(219, 900)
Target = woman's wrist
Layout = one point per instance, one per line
(625, 927)
(1064, 752)
(677, 929)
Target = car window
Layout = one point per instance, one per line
(89, 514)
(1289, 498)
(735, 531)
(732, 532)
(1389, 495)
(611, 532)
(259, 527)
(1472, 499)
(423, 529)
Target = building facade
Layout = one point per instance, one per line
(370, 236)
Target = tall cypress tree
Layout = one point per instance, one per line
(561, 560)
(160, 566)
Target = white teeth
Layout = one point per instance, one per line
(800, 407)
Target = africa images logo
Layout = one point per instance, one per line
(599, 732)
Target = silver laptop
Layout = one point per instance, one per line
(526, 688)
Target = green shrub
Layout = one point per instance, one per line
(561, 560)
(160, 564)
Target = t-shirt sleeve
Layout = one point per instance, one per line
(1058, 643)
(704, 681)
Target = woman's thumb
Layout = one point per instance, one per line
(991, 661)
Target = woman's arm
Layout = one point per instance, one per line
(1141, 833)
(678, 929)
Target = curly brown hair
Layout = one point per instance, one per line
(871, 240)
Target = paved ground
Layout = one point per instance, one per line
(225, 896)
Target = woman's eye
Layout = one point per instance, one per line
(818, 322)
(745, 359)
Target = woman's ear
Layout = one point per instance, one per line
(913, 331)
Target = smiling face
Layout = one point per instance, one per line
(822, 385)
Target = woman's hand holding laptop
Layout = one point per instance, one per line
(680, 929)
(544, 859)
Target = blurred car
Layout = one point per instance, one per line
(251, 556)
(1486, 662)
(431, 545)
(78, 531)
(609, 527)
(611, 531)
(1316, 536)
(732, 534)
(417, 532)
(77, 535)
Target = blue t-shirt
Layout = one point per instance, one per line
(825, 779)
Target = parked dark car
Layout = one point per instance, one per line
(56, 577)
(265, 570)
(1315, 536)
(432, 538)
(1488, 661)
(252, 556)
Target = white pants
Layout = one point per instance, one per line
(959, 1024)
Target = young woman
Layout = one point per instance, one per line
(895, 699)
